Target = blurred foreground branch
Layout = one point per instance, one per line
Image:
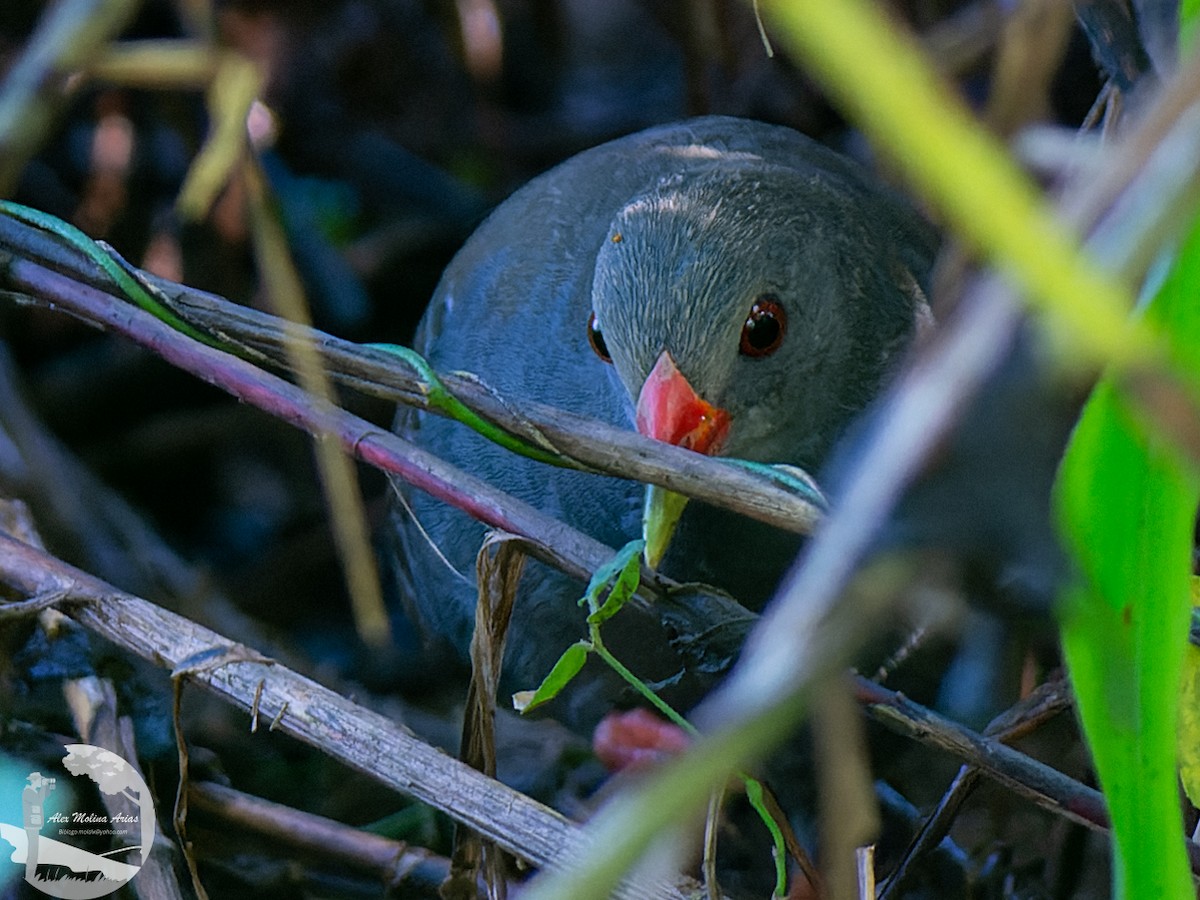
(367, 742)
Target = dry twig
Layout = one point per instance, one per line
(394, 862)
(361, 739)
(586, 443)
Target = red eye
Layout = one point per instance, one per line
(765, 327)
(596, 339)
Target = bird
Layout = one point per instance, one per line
(723, 284)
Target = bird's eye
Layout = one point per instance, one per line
(765, 327)
(596, 339)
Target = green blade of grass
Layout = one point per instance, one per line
(878, 74)
(1126, 503)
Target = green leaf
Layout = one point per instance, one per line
(1189, 709)
(560, 676)
(1126, 504)
(1189, 14)
(623, 572)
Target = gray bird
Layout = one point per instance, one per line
(722, 284)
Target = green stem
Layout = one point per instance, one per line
(754, 788)
(130, 286)
(640, 686)
(440, 398)
(754, 793)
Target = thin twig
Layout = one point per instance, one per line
(23, 609)
(587, 443)
(573, 552)
(306, 835)
(180, 811)
(1035, 781)
(1046, 702)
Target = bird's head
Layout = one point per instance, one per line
(748, 311)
